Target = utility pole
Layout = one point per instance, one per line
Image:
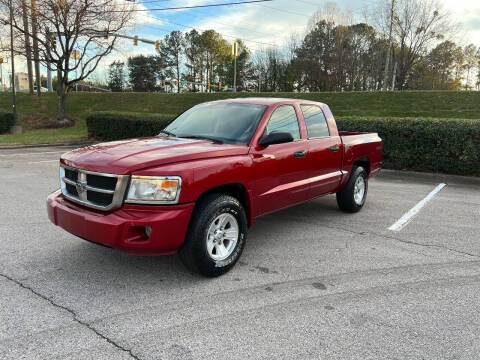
(36, 57)
(28, 50)
(16, 128)
(387, 59)
(235, 53)
(394, 76)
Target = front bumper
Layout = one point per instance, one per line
(124, 229)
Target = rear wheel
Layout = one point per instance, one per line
(216, 235)
(352, 197)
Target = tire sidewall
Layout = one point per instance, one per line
(360, 172)
(216, 209)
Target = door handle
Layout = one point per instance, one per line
(334, 148)
(299, 154)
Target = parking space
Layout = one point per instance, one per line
(313, 282)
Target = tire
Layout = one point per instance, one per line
(208, 249)
(349, 199)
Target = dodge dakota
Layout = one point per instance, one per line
(197, 187)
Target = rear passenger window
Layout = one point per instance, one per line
(315, 121)
(284, 119)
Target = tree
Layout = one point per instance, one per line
(437, 70)
(194, 59)
(417, 23)
(213, 48)
(314, 58)
(171, 51)
(471, 60)
(67, 25)
(225, 68)
(144, 72)
(116, 76)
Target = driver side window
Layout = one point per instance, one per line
(284, 119)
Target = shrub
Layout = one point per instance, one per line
(447, 146)
(436, 145)
(6, 121)
(115, 126)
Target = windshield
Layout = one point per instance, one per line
(225, 122)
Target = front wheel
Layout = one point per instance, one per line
(352, 197)
(216, 235)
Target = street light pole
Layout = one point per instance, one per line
(16, 128)
(387, 59)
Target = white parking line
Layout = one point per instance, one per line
(35, 153)
(407, 217)
(43, 161)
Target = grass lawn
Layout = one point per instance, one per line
(33, 110)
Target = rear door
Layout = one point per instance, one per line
(324, 152)
(281, 170)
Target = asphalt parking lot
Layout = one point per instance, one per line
(312, 283)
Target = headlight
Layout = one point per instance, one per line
(154, 189)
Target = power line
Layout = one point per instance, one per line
(195, 6)
(306, 2)
(285, 11)
(230, 25)
(197, 28)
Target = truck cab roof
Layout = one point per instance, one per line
(267, 101)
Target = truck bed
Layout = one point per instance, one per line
(361, 145)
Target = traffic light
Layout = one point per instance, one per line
(105, 33)
(163, 82)
(208, 85)
(135, 40)
(219, 85)
(157, 45)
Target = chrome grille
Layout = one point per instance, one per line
(93, 189)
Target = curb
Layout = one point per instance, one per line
(425, 176)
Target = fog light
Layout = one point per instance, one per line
(148, 231)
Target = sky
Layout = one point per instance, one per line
(261, 24)
(272, 22)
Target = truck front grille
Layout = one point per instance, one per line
(96, 190)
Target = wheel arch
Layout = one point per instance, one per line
(236, 190)
(363, 161)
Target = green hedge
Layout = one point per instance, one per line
(436, 145)
(6, 121)
(114, 126)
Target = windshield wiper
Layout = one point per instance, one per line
(168, 133)
(215, 140)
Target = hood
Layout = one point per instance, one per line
(126, 156)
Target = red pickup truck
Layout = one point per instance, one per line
(197, 186)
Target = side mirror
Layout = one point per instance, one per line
(277, 137)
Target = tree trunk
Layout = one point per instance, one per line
(62, 92)
(62, 107)
(35, 48)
